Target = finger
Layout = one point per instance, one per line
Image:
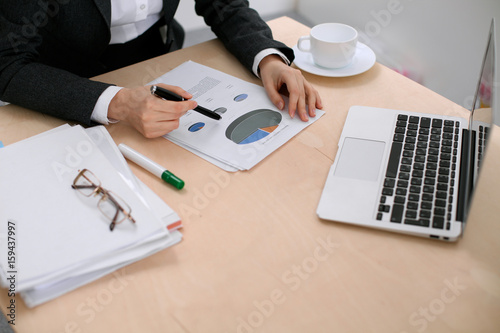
(169, 110)
(273, 92)
(319, 102)
(312, 100)
(302, 100)
(297, 97)
(157, 129)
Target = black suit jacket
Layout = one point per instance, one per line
(48, 48)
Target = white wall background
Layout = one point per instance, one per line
(440, 42)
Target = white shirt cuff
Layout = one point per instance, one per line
(100, 113)
(264, 53)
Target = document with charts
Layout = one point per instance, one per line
(251, 127)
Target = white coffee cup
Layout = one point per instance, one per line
(332, 45)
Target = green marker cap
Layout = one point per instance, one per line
(172, 179)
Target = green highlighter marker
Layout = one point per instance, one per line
(151, 166)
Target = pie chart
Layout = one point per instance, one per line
(253, 126)
(196, 127)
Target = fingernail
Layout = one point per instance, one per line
(280, 105)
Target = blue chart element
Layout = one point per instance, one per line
(240, 97)
(1, 144)
(196, 127)
(255, 136)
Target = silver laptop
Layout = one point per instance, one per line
(411, 172)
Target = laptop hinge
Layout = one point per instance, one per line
(464, 185)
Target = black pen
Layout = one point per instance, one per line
(171, 96)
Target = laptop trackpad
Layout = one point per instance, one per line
(360, 159)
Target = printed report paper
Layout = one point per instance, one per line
(251, 127)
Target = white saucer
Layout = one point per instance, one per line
(363, 60)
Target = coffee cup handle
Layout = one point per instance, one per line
(299, 44)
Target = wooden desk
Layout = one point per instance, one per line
(256, 258)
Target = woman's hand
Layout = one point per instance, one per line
(275, 74)
(150, 115)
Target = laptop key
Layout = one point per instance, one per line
(398, 137)
(440, 203)
(444, 171)
(397, 213)
(413, 127)
(420, 158)
(412, 205)
(432, 158)
(426, 205)
(402, 183)
(393, 165)
(384, 208)
(439, 211)
(414, 120)
(411, 214)
(422, 144)
(401, 191)
(425, 122)
(404, 175)
(389, 182)
(425, 213)
(399, 199)
(405, 168)
(388, 192)
(421, 222)
(417, 173)
(414, 197)
(437, 122)
(430, 181)
(412, 133)
(427, 197)
(438, 222)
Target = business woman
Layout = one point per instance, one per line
(49, 49)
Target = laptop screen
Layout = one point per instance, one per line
(483, 111)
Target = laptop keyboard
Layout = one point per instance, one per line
(481, 144)
(419, 187)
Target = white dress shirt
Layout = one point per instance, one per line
(130, 19)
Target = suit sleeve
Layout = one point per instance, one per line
(240, 28)
(26, 81)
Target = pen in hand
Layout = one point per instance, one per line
(171, 96)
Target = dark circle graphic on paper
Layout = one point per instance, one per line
(220, 110)
(253, 126)
(196, 127)
(240, 97)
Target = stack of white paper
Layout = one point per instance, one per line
(61, 240)
(251, 127)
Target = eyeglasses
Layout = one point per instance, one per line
(111, 205)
